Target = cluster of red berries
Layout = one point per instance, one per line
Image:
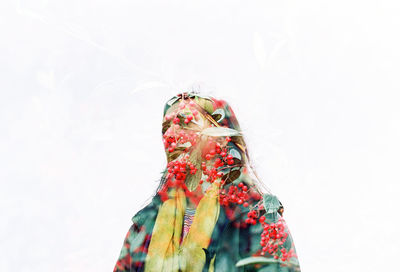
(179, 168)
(172, 138)
(236, 194)
(272, 239)
(191, 104)
(251, 217)
(187, 120)
(212, 174)
(215, 150)
(228, 158)
(175, 119)
(177, 172)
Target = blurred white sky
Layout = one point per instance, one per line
(314, 85)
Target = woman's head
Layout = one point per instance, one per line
(203, 143)
(191, 119)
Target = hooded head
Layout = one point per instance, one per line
(203, 143)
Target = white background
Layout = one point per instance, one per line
(314, 85)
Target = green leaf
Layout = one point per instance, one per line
(236, 161)
(174, 155)
(165, 126)
(178, 151)
(192, 181)
(172, 101)
(218, 115)
(207, 105)
(220, 131)
(235, 153)
(271, 203)
(256, 260)
(231, 176)
(293, 262)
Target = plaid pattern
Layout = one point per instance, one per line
(188, 220)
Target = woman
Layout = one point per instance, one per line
(209, 213)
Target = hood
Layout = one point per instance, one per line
(203, 143)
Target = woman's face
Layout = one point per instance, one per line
(182, 127)
(197, 146)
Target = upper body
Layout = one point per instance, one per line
(208, 213)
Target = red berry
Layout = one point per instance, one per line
(176, 120)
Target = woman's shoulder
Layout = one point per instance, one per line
(239, 239)
(148, 212)
(133, 252)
